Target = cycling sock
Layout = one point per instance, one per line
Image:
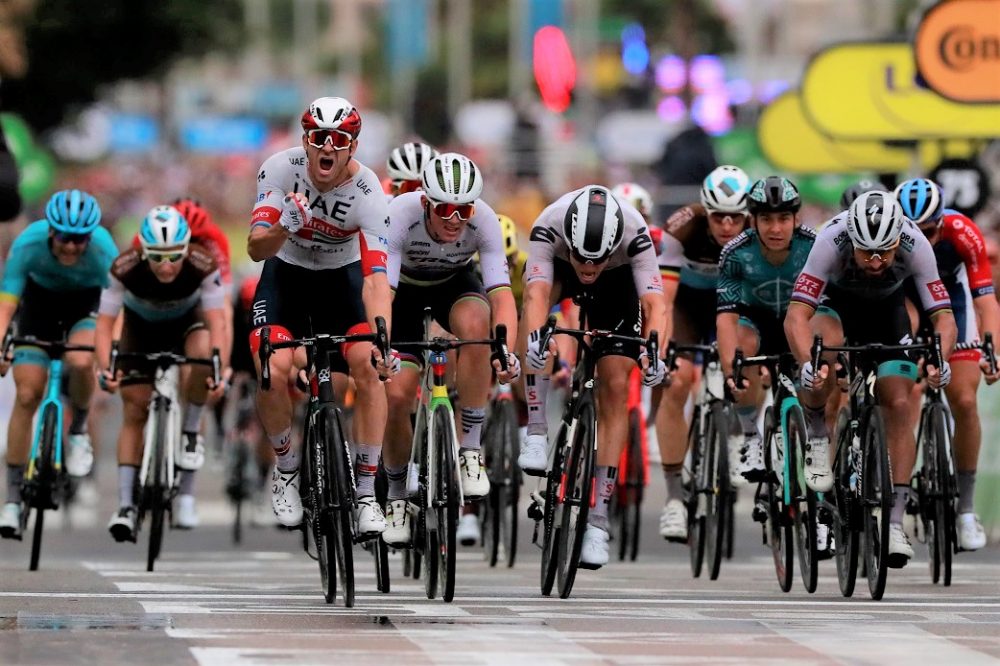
(192, 417)
(472, 427)
(967, 492)
(815, 421)
(186, 485)
(397, 481)
(675, 481)
(78, 426)
(900, 495)
(606, 482)
(15, 475)
(365, 466)
(536, 388)
(748, 419)
(126, 485)
(287, 460)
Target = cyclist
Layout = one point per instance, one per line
(586, 242)
(637, 196)
(53, 279)
(692, 242)
(405, 165)
(171, 292)
(319, 227)
(857, 189)
(958, 244)
(857, 268)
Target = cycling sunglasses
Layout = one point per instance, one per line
(882, 256)
(169, 257)
(74, 239)
(403, 186)
(446, 210)
(317, 138)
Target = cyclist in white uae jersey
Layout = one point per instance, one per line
(433, 236)
(319, 226)
(589, 243)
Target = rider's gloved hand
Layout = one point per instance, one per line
(651, 376)
(513, 369)
(295, 212)
(536, 355)
(938, 378)
(811, 378)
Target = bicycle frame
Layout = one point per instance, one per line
(52, 397)
(434, 394)
(164, 391)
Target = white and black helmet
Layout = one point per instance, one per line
(406, 162)
(875, 221)
(452, 178)
(725, 190)
(594, 225)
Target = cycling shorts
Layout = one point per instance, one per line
(611, 303)
(866, 321)
(49, 315)
(142, 335)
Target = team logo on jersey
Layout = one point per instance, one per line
(938, 291)
(809, 285)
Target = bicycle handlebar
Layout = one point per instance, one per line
(165, 359)
(986, 347)
(59, 347)
(651, 344)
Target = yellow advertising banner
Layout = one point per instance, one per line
(869, 91)
(958, 50)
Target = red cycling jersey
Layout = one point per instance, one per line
(214, 240)
(962, 243)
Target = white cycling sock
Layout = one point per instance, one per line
(126, 485)
(397, 481)
(365, 466)
(672, 474)
(192, 417)
(286, 458)
(606, 482)
(900, 495)
(536, 389)
(186, 485)
(966, 491)
(472, 427)
(15, 475)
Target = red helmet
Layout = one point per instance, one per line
(332, 113)
(197, 217)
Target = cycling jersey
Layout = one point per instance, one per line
(416, 258)
(348, 223)
(688, 251)
(517, 263)
(214, 240)
(961, 244)
(546, 244)
(751, 285)
(134, 286)
(831, 263)
(31, 259)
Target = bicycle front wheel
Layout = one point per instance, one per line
(552, 511)
(779, 524)
(156, 490)
(44, 480)
(578, 488)
(846, 532)
(877, 497)
(717, 488)
(340, 522)
(448, 506)
(696, 518)
(804, 501)
(941, 526)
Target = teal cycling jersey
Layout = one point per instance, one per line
(31, 258)
(749, 283)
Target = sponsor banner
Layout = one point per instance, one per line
(958, 50)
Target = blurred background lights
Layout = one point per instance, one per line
(707, 73)
(671, 74)
(555, 68)
(635, 53)
(671, 109)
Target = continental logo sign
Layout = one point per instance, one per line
(958, 50)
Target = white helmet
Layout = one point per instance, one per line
(164, 229)
(332, 113)
(875, 221)
(406, 162)
(452, 178)
(725, 190)
(594, 224)
(636, 195)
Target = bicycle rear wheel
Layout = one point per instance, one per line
(717, 502)
(846, 532)
(156, 484)
(448, 507)
(877, 496)
(550, 525)
(634, 486)
(380, 552)
(44, 480)
(696, 521)
(779, 524)
(511, 483)
(578, 493)
(804, 501)
(941, 526)
(340, 527)
(237, 486)
(493, 447)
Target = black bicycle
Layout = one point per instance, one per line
(569, 489)
(327, 471)
(501, 448)
(244, 474)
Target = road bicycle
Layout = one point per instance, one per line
(244, 474)
(633, 475)
(501, 447)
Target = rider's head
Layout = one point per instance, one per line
(406, 164)
(330, 128)
(921, 201)
(724, 196)
(774, 205)
(593, 230)
(874, 225)
(165, 238)
(72, 216)
(637, 196)
(509, 231)
(848, 196)
(452, 183)
(197, 216)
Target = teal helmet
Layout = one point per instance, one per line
(73, 212)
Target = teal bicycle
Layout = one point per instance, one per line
(46, 481)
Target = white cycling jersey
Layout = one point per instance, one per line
(348, 223)
(636, 249)
(416, 258)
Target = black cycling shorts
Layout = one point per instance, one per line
(694, 315)
(770, 330)
(867, 321)
(611, 303)
(143, 335)
(49, 315)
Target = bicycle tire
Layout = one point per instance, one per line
(491, 516)
(428, 556)
(511, 483)
(845, 527)
(44, 480)
(634, 484)
(578, 493)
(877, 495)
(942, 539)
(240, 460)
(696, 522)
(312, 526)
(340, 496)
(779, 527)
(550, 530)
(449, 507)
(156, 489)
(380, 551)
(804, 516)
(730, 526)
(717, 497)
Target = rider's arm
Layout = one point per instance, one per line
(112, 299)
(729, 295)
(266, 235)
(495, 271)
(725, 331)
(820, 266)
(15, 276)
(215, 320)
(648, 283)
(968, 240)
(988, 314)
(214, 306)
(798, 331)
(653, 317)
(377, 297)
(933, 294)
(671, 258)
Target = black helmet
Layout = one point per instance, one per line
(773, 194)
(857, 189)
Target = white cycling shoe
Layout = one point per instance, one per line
(187, 513)
(534, 455)
(971, 535)
(468, 530)
(752, 459)
(10, 521)
(370, 518)
(285, 500)
(475, 482)
(594, 552)
(122, 524)
(735, 444)
(819, 476)
(191, 453)
(900, 550)
(398, 532)
(79, 455)
(674, 521)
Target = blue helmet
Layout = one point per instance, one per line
(920, 200)
(73, 212)
(164, 228)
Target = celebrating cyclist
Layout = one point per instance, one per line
(319, 226)
(173, 300)
(586, 242)
(405, 166)
(433, 236)
(958, 243)
(53, 279)
(857, 268)
(692, 242)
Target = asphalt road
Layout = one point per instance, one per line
(211, 603)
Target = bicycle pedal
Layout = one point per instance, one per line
(759, 514)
